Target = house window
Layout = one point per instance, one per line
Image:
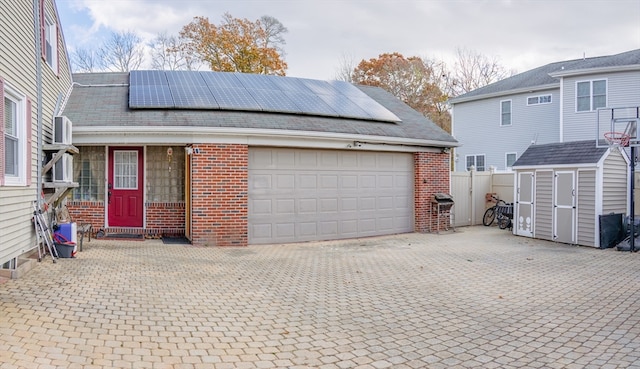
(510, 158)
(49, 37)
(505, 113)
(537, 100)
(477, 161)
(591, 95)
(15, 137)
(89, 170)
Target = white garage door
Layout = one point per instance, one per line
(306, 195)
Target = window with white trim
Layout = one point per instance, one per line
(14, 132)
(49, 30)
(509, 159)
(505, 113)
(537, 100)
(476, 161)
(591, 95)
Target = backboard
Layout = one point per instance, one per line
(625, 121)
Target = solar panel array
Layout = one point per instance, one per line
(154, 89)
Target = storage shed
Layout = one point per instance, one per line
(561, 189)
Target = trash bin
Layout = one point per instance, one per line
(64, 247)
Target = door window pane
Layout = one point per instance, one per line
(125, 167)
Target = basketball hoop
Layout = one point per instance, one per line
(617, 139)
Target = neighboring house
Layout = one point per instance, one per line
(238, 159)
(34, 80)
(557, 102)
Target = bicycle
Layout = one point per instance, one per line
(501, 210)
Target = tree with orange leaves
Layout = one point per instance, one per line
(409, 79)
(237, 45)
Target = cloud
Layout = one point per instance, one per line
(523, 34)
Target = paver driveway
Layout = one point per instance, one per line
(479, 297)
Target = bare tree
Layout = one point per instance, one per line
(346, 66)
(167, 53)
(274, 31)
(473, 70)
(85, 61)
(122, 52)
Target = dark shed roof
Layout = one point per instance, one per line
(101, 100)
(563, 153)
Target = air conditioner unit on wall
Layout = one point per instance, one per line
(62, 130)
(63, 169)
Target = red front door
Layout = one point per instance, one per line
(125, 187)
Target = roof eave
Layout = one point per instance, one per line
(580, 72)
(504, 93)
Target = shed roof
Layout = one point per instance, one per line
(101, 100)
(546, 75)
(563, 153)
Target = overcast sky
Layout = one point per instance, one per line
(522, 34)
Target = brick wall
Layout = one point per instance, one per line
(219, 188)
(165, 218)
(431, 176)
(87, 212)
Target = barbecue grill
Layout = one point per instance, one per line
(441, 205)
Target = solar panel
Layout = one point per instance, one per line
(185, 78)
(193, 97)
(275, 101)
(256, 81)
(155, 89)
(319, 87)
(374, 109)
(311, 104)
(234, 99)
(221, 79)
(150, 96)
(344, 107)
(147, 78)
(290, 84)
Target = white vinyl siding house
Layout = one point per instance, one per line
(621, 91)
(478, 123)
(20, 55)
(556, 102)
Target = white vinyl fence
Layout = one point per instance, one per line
(469, 189)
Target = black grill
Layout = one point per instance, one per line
(441, 205)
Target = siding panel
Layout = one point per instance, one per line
(586, 205)
(615, 184)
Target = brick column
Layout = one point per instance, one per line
(219, 193)
(432, 175)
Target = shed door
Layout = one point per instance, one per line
(305, 195)
(524, 221)
(564, 207)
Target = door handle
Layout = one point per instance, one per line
(109, 197)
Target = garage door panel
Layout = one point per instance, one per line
(328, 194)
(329, 182)
(308, 181)
(285, 206)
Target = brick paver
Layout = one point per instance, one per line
(479, 297)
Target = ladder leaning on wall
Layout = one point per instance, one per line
(44, 237)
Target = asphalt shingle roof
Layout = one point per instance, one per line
(563, 153)
(540, 76)
(101, 99)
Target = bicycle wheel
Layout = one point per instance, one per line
(489, 216)
(504, 222)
